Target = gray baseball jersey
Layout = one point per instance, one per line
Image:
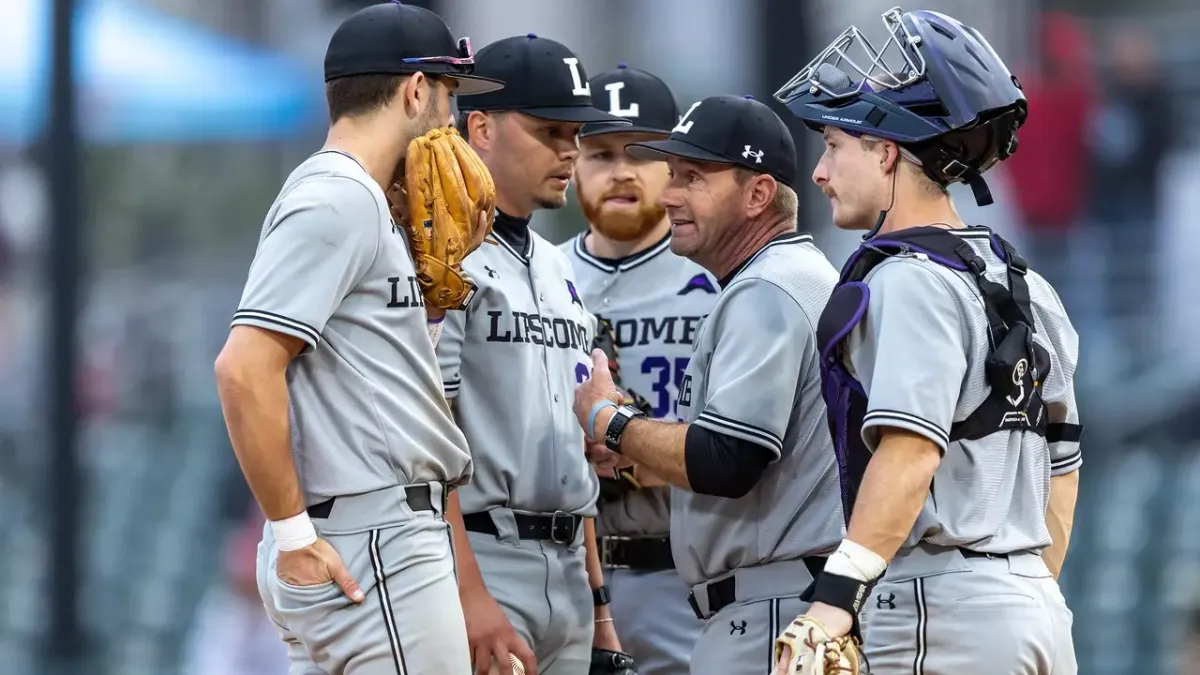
(754, 375)
(920, 355)
(512, 361)
(365, 403)
(656, 301)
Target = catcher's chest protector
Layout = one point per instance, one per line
(1016, 367)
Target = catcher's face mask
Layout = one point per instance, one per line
(894, 66)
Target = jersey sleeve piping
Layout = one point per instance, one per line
(450, 389)
(908, 422)
(746, 432)
(1067, 464)
(276, 323)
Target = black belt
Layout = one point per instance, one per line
(418, 496)
(980, 554)
(636, 553)
(723, 593)
(559, 527)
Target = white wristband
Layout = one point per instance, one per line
(856, 561)
(293, 533)
(435, 331)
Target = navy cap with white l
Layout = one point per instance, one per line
(735, 130)
(396, 39)
(635, 95)
(542, 78)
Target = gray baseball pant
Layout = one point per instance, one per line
(544, 591)
(740, 638)
(411, 621)
(940, 612)
(656, 625)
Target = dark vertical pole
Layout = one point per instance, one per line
(785, 48)
(64, 642)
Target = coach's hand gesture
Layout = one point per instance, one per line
(491, 636)
(315, 565)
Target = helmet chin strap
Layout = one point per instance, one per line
(979, 188)
(884, 213)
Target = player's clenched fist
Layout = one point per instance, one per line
(597, 389)
(492, 637)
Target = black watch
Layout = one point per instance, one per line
(601, 596)
(616, 426)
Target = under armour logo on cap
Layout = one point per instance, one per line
(756, 154)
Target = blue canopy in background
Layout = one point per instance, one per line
(146, 77)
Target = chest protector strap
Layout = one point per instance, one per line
(1016, 367)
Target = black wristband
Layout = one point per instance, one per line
(842, 592)
(616, 426)
(600, 596)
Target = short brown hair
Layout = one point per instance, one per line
(356, 95)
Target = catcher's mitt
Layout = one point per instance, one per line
(813, 652)
(606, 662)
(451, 207)
(606, 342)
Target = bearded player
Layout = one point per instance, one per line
(654, 301)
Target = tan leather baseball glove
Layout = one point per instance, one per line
(451, 203)
(806, 648)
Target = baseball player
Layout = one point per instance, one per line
(757, 506)
(948, 368)
(329, 383)
(529, 574)
(654, 302)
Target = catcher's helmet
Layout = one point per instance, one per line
(945, 95)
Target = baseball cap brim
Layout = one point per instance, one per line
(601, 128)
(583, 114)
(658, 151)
(472, 84)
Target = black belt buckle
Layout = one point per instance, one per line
(608, 546)
(695, 605)
(562, 531)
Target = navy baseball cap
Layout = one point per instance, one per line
(542, 78)
(735, 130)
(635, 95)
(395, 39)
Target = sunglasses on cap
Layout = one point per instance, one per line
(465, 56)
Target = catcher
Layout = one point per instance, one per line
(328, 381)
(948, 367)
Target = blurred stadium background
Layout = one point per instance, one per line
(190, 114)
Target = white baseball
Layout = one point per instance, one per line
(517, 667)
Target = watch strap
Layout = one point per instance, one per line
(616, 426)
(601, 596)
